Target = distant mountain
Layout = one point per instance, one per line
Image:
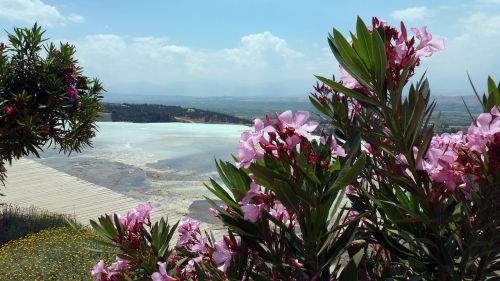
(451, 111)
(156, 113)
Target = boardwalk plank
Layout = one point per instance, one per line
(30, 183)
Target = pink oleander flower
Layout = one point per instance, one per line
(290, 127)
(255, 190)
(347, 80)
(401, 45)
(258, 130)
(143, 212)
(336, 149)
(296, 122)
(9, 110)
(292, 141)
(223, 254)
(162, 274)
(445, 140)
(485, 128)
(188, 271)
(366, 148)
(450, 160)
(139, 215)
(247, 151)
(426, 47)
(214, 212)
(187, 229)
(99, 271)
(281, 213)
(439, 164)
(119, 265)
(72, 94)
(251, 212)
(72, 76)
(295, 262)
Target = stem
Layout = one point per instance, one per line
(463, 265)
(465, 258)
(479, 272)
(435, 228)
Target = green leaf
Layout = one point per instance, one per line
(307, 169)
(100, 230)
(349, 59)
(380, 61)
(340, 245)
(350, 272)
(321, 108)
(346, 91)
(347, 175)
(362, 43)
(476, 92)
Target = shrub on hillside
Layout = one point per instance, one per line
(44, 97)
(16, 222)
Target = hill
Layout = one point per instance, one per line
(450, 113)
(156, 113)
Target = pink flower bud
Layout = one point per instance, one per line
(72, 94)
(45, 130)
(9, 110)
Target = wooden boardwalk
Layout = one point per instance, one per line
(30, 183)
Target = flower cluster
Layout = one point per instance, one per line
(191, 245)
(455, 160)
(114, 272)
(136, 238)
(402, 52)
(277, 140)
(255, 201)
(133, 227)
(193, 250)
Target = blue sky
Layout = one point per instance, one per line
(259, 47)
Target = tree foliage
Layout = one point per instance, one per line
(44, 97)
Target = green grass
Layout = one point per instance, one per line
(16, 222)
(52, 254)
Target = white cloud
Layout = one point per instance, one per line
(260, 59)
(412, 14)
(75, 18)
(30, 11)
(261, 50)
(474, 50)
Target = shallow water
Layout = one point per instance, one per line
(164, 163)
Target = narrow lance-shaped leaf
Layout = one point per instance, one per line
(346, 91)
(347, 175)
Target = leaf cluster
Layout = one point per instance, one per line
(153, 244)
(35, 109)
(423, 237)
(313, 196)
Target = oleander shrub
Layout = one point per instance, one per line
(16, 222)
(44, 97)
(51, 254)
(380, 198)
(430, 202)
